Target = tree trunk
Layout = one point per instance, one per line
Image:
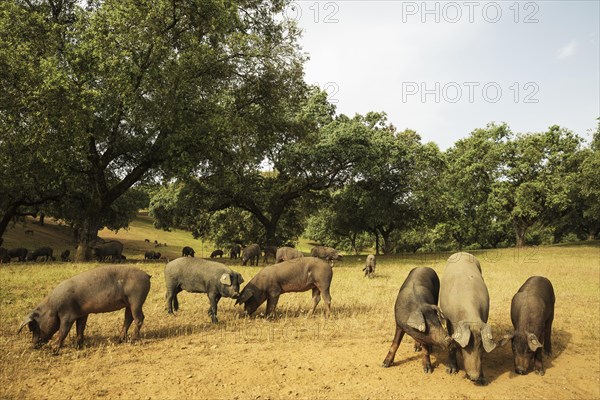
(592, 234)
(520, 231)
(6, 218)
(387, 246)
(353, 242)
(376, 243)
(270, 229)
(88, 234)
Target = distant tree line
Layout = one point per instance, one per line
(200, 112)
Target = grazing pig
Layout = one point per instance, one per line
(287, 253)
(151, 255)
(41, 252)
(418, 315)
(216, 253)
(298, 275)
(200, 276)
(327, 253)
(64, 256)
(235, 252)
(252, 253)
(112, 249)
(19, 252)
(4, 258)
(187, 252)
(465, 302)
(99, 290)
(370, 267)
(269, 251)
(532, 314)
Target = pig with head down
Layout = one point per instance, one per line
(418, 315)
(99, 290)
(465, 302)
(297, 275)
(196, 275)
(532, 314)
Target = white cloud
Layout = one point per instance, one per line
(568, 50)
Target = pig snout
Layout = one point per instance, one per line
(520, 370)
(480, 380)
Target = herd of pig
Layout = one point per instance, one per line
(451, 313)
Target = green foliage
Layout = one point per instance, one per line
(311, 152)
(118, 90)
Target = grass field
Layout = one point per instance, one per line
(296, 356)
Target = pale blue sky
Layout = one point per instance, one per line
(381, 56)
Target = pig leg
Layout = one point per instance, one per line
(547, 337)
(212, 311)
(316, 297)
(172, 302)
(427, 359)
(80, 326)
(65, 327)
(138, 319)
(452, 365)
(389, 359)
(327, 299)
(418, 347)
(271, 305)
(539, 365)
(126, 324)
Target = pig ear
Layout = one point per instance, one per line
(462, 334)
(533, 342)
(487, 338)
(440, 314)
(225, 279)
(505, 339)
(240, 279)
(246, 294)
(29, 320)
(416, 320)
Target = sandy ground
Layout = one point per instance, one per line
(300, 357)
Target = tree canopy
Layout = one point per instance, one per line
(205, 102)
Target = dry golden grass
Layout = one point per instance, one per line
(296, 356)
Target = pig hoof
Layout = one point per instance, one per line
(540, 372)
(386, 364)
(428, 369)
(55, 351)
(451, 370)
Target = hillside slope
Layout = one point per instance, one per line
(60, 237)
